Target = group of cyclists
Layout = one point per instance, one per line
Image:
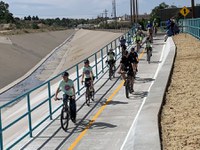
(128, 67)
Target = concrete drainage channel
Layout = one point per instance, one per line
(30, 79)
(144, 133)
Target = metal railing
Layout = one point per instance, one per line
(45, 91)
(191, 26)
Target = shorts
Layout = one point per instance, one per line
(111, 61)
(128, 70)
(123, 46)
(88, 81)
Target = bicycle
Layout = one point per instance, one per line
(149, 54)
(129, 83)
(65, 115)
(89, 94)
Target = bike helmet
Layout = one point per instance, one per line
(65, 74)
(132, 49)
(86, 61)
(111, 50)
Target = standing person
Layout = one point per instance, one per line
(67, 87)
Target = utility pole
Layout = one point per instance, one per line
(106, 13)
(136, 10)
(133, 2)
(193, 9)
(131, 11)
(114, 10)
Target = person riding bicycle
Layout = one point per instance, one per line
(123, 43)
(150, 30)
(148, 48)
(138, 40)
(67, 87)
(133, 56)
(126, 66)
(111, 58)
(88, 74)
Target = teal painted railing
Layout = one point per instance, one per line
(6, 125)
(191, 26)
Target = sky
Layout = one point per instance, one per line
(82, 8)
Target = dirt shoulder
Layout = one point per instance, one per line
(180, 118)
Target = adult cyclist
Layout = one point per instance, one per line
(133, 57)
(127, 67)
(88, 75)
(67, 87)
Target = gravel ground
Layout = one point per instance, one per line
(180, 118)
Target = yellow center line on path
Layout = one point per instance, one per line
(77, 140)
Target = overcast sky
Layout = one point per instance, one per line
(82, 8)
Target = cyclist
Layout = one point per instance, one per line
(127, 66)
(148, 46)
(88, 74)
(133, 56)
(111, 58)
(123, 44)
(150, 30)
(138, 39)
(67, 87)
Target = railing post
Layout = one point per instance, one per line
(102, 61)
(50, 105)
(29, 114)
(1, 132)
(115, 43)
(106, 49)
(111, 44)
(77, 77)
(96, 65)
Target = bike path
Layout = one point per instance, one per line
(109, 128)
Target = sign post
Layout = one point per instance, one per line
(184, 11)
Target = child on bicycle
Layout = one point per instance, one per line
(88, 75)
(67, 87)
(127, 67)
(111, 58)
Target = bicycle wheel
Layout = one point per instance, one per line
(87, 96)
(64, 118)
(148, 56)
(127, 86)
(110, 71)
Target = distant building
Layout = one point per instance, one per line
(140, 17)
(165, 14)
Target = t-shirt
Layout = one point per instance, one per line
(66, 87)
(123, 41)
(111, 56)
(87, 71)
(133, 57)
(148, 44)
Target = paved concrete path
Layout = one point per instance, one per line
(109, 123)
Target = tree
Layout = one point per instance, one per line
(155, 11)
(5, 15)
